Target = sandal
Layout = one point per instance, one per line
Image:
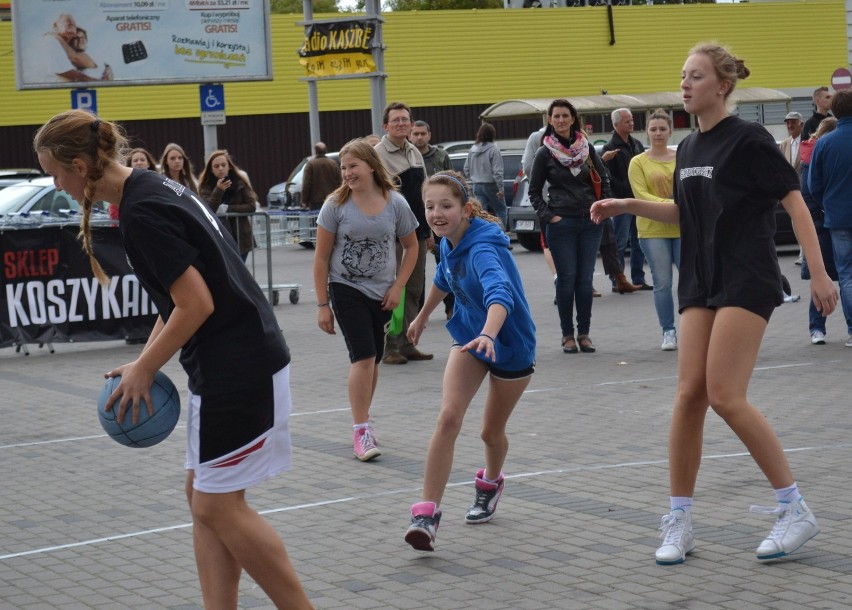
(586, 345)
(569, 345)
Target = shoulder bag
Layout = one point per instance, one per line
(595, 177)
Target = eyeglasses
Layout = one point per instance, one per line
(400, 121)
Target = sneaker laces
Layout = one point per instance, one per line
(784, 514)
(672, 529)
(483, 497)
(367, 441)
(424, 522)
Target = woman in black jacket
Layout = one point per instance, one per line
(223, 183)
(564, 162)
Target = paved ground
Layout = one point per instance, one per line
(86, 523)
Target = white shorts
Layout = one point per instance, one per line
(239, 439)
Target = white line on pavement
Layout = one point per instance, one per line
(390, 492)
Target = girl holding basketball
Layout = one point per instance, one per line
(232, 350)
(728, 179)
(493, 335)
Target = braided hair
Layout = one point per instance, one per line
(76, 134)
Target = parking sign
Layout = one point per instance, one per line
(212, 98)
(84, 99)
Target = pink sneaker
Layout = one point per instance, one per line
(487, 495)
(425, 518)
(364, 446)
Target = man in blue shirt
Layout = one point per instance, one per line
(830, 183)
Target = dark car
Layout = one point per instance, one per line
(784, 234)
(523, 221)
(289, 194)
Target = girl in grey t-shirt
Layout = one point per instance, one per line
(355, 275)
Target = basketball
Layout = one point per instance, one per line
(149, 430)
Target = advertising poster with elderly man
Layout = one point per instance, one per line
(74, 43)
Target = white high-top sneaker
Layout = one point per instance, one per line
(796, 525)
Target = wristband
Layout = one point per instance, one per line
(489, 336)
(322, 304)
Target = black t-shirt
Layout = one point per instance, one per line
(165, 229)
(728, 182)
(811, 125)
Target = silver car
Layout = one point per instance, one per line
(37, 201)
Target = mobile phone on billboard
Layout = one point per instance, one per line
(134, 51)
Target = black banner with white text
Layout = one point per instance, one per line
(48, 292)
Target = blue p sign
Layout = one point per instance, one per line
(84, 99)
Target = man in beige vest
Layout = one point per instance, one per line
(790, 146)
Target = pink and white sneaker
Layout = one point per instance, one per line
(364, 445)
(423, 530)
(487, 495)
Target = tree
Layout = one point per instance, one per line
(295, 6)
(440, 5)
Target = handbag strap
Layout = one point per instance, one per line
(593, 171)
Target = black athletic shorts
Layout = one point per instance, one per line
(362, 321)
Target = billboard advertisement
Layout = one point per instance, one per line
(95, 43)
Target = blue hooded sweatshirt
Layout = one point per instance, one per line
(481, 271)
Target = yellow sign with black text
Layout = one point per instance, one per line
(334, 49)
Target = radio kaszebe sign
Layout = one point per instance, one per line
(97, 43)
(342, 47)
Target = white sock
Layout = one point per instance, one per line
(357, 427)
(682, 502)
(788, 495)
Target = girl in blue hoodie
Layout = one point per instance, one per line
(493, 334)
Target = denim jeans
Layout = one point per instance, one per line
(816, 321)
(625, 230)
(662, 253)
(841, 241)
(487, 195)
(574, 244)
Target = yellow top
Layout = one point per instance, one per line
(652, 180)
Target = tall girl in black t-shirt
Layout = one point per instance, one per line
(729, 177)
(232, 349)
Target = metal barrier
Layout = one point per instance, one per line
(272, 229)
(285, 227)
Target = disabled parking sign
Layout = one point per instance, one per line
(212, 98)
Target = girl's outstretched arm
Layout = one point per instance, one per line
(668, 213)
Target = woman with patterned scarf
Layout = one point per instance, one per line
(564, 162)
